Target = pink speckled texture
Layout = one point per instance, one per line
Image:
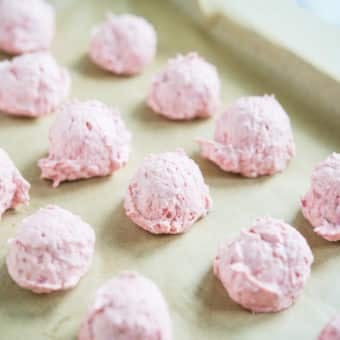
(26, 25)
(167, 194)
(128, 307)
(87, 139)
(253, 137)
(332, 330)
(51, 251)
(123, 44)
(321, 203)
(266, 267)
(32, 85)
(188, 87)
(13, 187)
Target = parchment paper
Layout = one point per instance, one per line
(180, 265)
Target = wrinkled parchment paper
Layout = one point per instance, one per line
(180, 265)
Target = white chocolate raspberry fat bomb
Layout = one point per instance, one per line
(123, 44)
(51, 251)
(253, 137)
(128, 307)
(266, 267)
(188, 87)
(32, 85)
(26, 25)
(87, 139)
(332, 330)
(13, 187)
(321, 204)
(167, 194)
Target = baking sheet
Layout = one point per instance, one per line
(180, 265)
(302, 57)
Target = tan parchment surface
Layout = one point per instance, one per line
(180, 265)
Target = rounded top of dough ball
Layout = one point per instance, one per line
(332, 330)
(86, 139)
(128, 307)
(188, 87)
(266, 267)
(123, 44)
(32, 85)
(26, 25)
(51, 250)
(13, 187)
(253, 137)
(321, 203)
(167, 194)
